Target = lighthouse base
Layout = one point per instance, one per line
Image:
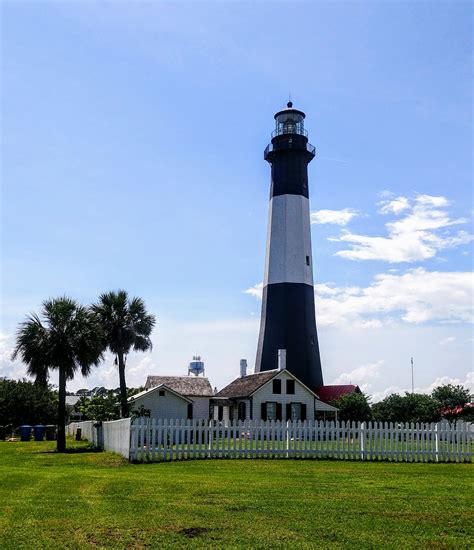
(288, 322)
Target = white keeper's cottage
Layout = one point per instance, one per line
(268, 395)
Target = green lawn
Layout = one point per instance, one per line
(97, 500)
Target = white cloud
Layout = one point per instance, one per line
(336, 217)
(362, 375)
(419, 235)
(255, 291)
(395, 206)
(447, 340)
(417, 296)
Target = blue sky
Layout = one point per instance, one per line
(132, 157)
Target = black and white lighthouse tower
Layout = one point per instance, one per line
(288, 320)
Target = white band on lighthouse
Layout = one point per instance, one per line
(288, 257)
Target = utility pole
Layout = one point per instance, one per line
(412, 378)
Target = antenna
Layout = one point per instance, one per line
(412, 378)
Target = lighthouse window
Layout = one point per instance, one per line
(307, 260)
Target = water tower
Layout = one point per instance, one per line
(196, 366)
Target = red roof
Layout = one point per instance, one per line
(330, 393)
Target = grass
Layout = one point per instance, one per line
(85, 499)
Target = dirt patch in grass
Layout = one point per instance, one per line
(193, 532)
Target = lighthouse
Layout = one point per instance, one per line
(288, 319)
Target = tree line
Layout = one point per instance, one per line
(69, 337)
(448, 401)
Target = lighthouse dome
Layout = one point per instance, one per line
(289, 121)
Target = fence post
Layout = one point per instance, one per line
(362, 440)
(287, 438)
(436, 442)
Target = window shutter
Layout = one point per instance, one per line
(264, 411)
(303, 411)
(288, 411)
(278, 413)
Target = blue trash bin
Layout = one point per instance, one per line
(39, 431)
(25, 432)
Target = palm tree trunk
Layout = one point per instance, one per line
(123, 386)
(61, 442)
(41, 379)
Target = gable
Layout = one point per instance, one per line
(284, 375)
(154, 393)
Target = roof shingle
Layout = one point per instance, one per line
(185, 385)
(246, 385)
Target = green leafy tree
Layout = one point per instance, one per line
(127, 325)
(449, 395)
(141, 412)
(411, 407)
(68, 338)
(23, 402)
(100, 407)
(353, 406)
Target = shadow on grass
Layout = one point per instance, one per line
(74, 450)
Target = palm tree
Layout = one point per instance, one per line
(127, 325)
(67, 338)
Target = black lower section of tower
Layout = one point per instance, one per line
(288, 322)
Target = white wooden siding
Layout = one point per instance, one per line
(167, 406)
(265, 394)
(200, 407)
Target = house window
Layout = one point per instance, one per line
(220, 412)
(290, 387)
(276, 386)
(242, 410)
(161, 393)
(271, 410)
(296, 411)
(190, 411)
(307, 260)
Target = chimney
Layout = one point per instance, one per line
(243, 368)
(281, 359)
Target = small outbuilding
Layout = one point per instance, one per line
(196, 389)
(162, 402)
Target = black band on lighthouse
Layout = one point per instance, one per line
(288, 315)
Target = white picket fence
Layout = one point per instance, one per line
(164, 440)
(111, 436)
